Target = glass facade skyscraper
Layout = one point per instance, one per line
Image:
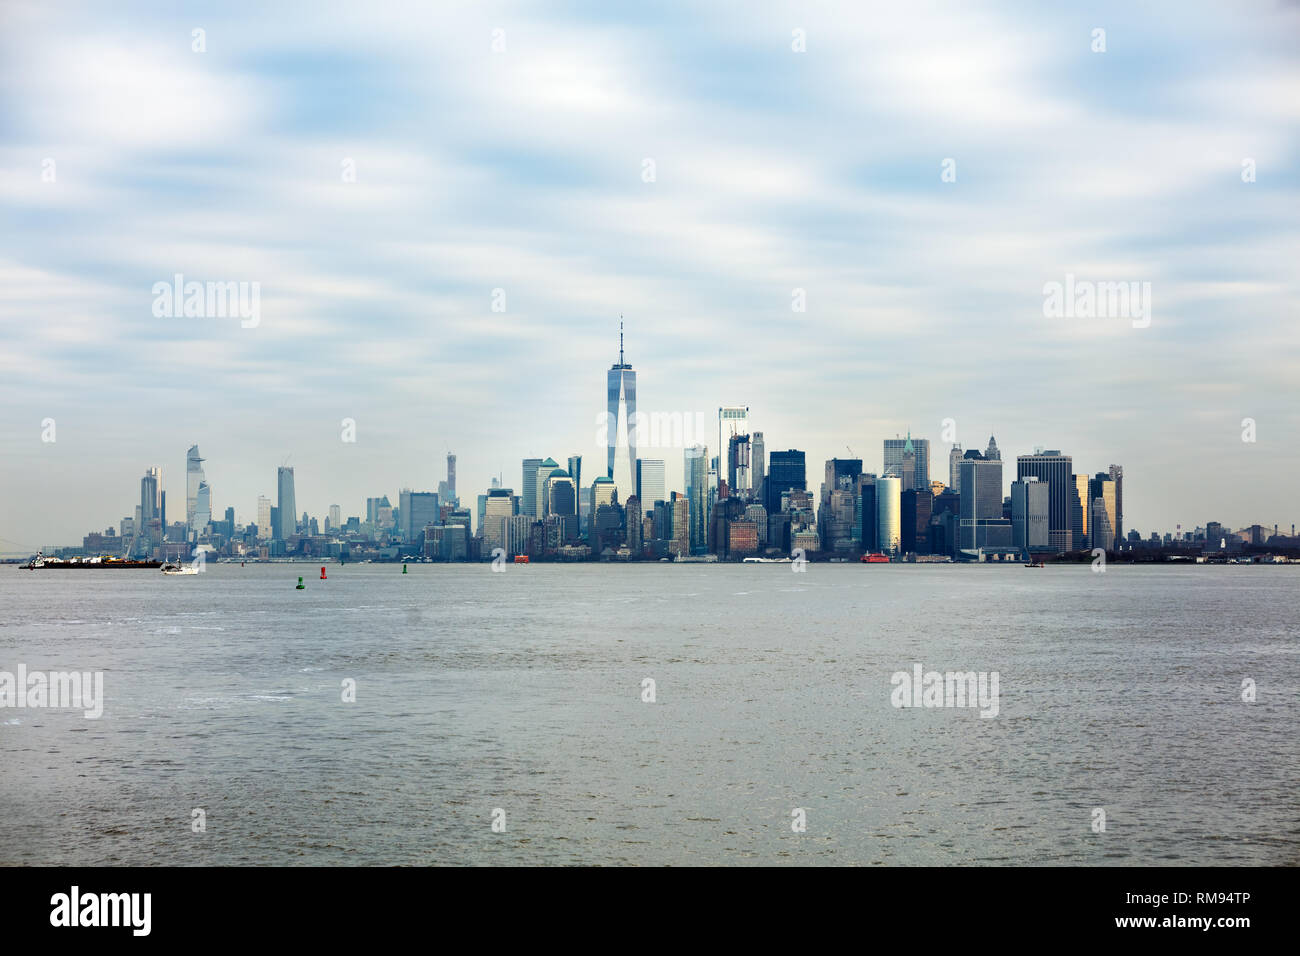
(621, 452)
(528, 496)
(193, 478)
(889, 513)
(288, 507)
(785, 470)
(696, 468)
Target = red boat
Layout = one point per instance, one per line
(876, 558)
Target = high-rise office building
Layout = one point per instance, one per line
(732, 420)
(336, 515)
(603, 492)
(981, 523)
(954, 468)
(451, 475)
(896, 451)
(560, 493)
(1030, 509)
(1102, 516)
(1080, 513)
(680, 540)
(739, 465)
(1058, 471)
(620, 460)
(575, 472)
(418, 510)
(193, 477)
(286, 503)
(544, 471)
(493, 524)
(150, 506)
(650, 482)
(695, 465)
(889, 513)
(202, 509)
(867, 534)
(528, 496)
(758, 460)
(991, 453)
(786, 470)
(1117, 476)
(264, 529)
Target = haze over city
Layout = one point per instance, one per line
(462, 289)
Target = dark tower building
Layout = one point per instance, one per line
(785, 470)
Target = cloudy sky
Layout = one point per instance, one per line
(685, 165)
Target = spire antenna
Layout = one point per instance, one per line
(620, 338)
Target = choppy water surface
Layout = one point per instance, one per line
(523, 691)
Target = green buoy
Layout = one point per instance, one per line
(300, 585)
(403, 569)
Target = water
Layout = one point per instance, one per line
(522, 691)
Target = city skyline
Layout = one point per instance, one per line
(454, 285)
(620, 396)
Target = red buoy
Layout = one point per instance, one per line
(322, 573)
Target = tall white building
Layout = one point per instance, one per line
(336, 515)
(264, 516)
(650, 482)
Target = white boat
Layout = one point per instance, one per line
(179, 569)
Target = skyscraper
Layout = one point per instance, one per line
(889, 513)
(544, 471)
(149, 495)
(696, 470)
(202, 509)
(1117, 476)
(786, 470)
(1102, 516)
(1057, 470)
(650, 482)
(264, 529)
(732, 420)
(621, 452)
(336, 515)
(758, 459)
(1029, 514)
(498, 509)
(528, 497)
(451, 474)
(954, 468)
(1080, 512)
(738, 470)
(418, 509)
(575, 472)
(288, 507)
(919, 448)
(193, 477)
(980, 523)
